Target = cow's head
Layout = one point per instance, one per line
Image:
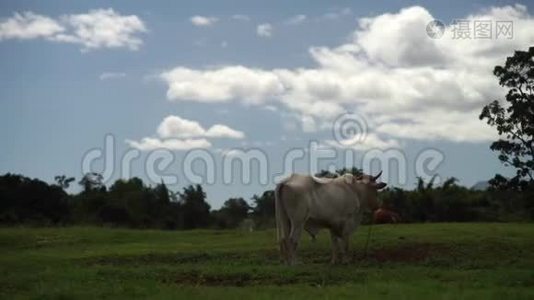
(368, 188)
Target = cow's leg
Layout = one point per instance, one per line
(294, 237)
(343, 248)
(296, 206)
(335, 246)
(284, 240)
(284, 250)
(344, 240)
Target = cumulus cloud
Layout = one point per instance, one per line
(420, 88)
(176, 133)
(28, 25)
(223, 131)
(148, 144)
(202, 21)
(103, 28)
(264, 30)
(176, 127)
(99, 28)
(221, 85)
(111, 75)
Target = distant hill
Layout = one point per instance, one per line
(481, 185)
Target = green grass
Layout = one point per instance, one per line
(446, 261)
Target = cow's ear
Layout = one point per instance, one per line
(380, 185)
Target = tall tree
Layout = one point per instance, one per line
(162, 194)
(195, 209)
(233, 212)
(263, 210)
(514, 119)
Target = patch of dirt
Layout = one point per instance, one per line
(150, 258)
(246, 279)
(408, 253)
(243, 279)
(412, 253)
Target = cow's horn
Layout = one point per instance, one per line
(377, 176)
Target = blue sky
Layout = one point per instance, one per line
(65, 83)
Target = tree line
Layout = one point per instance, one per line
(134, 204)
(125, 203)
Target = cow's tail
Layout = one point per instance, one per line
(279, 211)
(282, 219)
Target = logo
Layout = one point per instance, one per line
(435, 29)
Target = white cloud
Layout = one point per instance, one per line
(239, 17)
(223, 131)
(99, 28)
(176, 127)
(28, 25)
(104, 28)
(264, 30)
(148, 144)
(176, 133)
(221, 85)
(422, 88)
(296, 20)
(111, 75)
(201, 21)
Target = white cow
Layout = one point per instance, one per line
(306, 202)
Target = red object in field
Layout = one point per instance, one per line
(383, 216)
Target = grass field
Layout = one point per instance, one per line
(446, 261)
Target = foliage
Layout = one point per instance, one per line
(325, 173)
(263, 209)
(92, 182)
(25, 200)
(196, 211)
(233, 212)
(63, 181)
(131, 203)
(514, 119)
